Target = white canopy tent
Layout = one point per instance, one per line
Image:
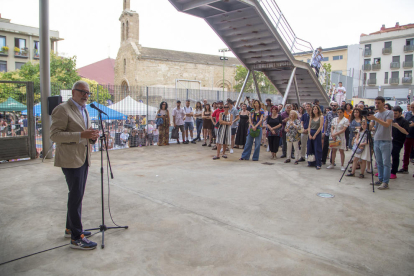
(129, 106)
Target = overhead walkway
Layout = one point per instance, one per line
(260, 37)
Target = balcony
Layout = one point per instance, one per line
(395, 65)
(387, 51)
(366, 67)
(407, 80)
(367, 53)
(407, 64)
(372, 81)
(36, 54)
(4, 51)
(21, 53)
(394, 80)
(376, 66)
(385, 81)
(408, 48)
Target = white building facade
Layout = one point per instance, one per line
(387, 63)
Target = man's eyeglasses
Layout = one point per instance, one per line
(226, 107)
(84, 92)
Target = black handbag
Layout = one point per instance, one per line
(174, 133)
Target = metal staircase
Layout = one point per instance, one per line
(259, 35)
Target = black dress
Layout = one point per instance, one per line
(242, 129)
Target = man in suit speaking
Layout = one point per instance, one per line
(71, 131)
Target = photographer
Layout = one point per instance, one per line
(382, 141)
(409, 141)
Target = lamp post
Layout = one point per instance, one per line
(224, 58)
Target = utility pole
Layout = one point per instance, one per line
(224, 58)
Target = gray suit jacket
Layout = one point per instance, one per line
(67, 124)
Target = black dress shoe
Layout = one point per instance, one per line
(301, 159)
(283, 156)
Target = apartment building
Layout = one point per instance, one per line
(20, 44)
(336, 56)
(387, 62)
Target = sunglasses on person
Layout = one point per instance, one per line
(84, 92)
(226, 107)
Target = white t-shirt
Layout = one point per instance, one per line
(150, 129)
(341, 90)
(188, 110)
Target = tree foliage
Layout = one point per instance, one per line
(100, 93)
(62, 75)
(265, 86)
(328, 70)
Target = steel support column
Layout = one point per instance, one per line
(243, 87)
(257, 86)
(297, 90)
(45, 74)
(292, 75)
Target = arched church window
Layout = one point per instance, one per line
(127, 30)
(124, 88)
(124, 66)
(123, 31)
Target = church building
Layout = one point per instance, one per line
(136, 65)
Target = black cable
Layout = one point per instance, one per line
(56, 247)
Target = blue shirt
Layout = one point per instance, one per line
(410, 118)
(305, 119)
(82, 112)
(317, 59)
(329, 118)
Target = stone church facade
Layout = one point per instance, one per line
(142, 66)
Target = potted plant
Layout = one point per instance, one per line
(5, 49)
(16, 50)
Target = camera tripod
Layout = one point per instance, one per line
(367, 132)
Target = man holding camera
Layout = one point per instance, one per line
(399, 133)
(382, 141)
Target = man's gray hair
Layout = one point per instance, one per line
(80, 83)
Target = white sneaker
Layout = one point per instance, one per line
(268, 149)
(231, 150)
(331, 166)
(342, 168)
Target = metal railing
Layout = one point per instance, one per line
(395, 65)
(294, 43)
(367, 53)
(407, 80)
(387, 51)
(408, 64)
(366, 67)
(376, 66)
(372, 81)
(408, 48)
(24, 53)
(385, 81)
(394, 80)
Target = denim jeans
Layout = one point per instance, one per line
(248, 147)
(199, 125)
(382, 149)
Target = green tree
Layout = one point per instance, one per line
(100, 93)
(62, 75)
(265, 86)
(328, 69)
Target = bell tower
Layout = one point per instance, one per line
(129, 24)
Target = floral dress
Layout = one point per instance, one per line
(292, 133)
(338, 126)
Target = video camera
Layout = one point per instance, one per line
(368, 111)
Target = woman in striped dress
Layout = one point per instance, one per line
(224, 132)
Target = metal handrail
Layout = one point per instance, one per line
(294, 43)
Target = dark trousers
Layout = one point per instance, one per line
(316, 145)
(317, 73)
(325, 149)
(395, 155)
(347, 136)
(408, 149)
(76, 180)
(199, 126)
(274, 143)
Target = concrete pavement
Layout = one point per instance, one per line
(190, 215)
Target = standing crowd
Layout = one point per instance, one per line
(308, 132)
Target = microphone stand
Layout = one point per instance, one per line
(102, 228)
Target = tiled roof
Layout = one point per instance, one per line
(170, 55)
(102, 71)
(397, 27)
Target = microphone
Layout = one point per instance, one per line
(95, 107)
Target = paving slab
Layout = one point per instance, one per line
(190, 215)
